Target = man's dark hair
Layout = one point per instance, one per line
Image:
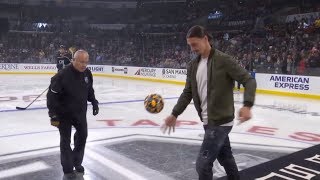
(198, 32)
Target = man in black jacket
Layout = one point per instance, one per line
(69, 91)
(63, 58)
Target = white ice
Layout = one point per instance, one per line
(276, 122)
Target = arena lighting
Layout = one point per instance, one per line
(215, 15)
(39, 25)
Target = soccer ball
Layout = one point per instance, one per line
(153, 103)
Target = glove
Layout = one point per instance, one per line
(95, 109)
(54, 121)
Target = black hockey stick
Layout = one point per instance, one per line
(24, 108)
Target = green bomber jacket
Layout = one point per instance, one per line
(223, 70)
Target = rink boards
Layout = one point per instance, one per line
(278, 84)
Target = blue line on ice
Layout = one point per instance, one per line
(104, 103)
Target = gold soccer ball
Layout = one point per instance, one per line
(153, 103)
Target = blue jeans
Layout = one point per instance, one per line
(216, 145)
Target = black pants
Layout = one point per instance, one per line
(72, 158)
(216, 145)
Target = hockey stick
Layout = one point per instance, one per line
(24, 108)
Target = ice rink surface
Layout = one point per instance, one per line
(125, 141)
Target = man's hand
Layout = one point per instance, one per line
(245, 114)
(55, 122)
(95, 110)
(169, 122)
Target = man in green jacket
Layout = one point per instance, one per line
(209, 83)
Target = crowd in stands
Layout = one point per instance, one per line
(284, 48)
(281, 48)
